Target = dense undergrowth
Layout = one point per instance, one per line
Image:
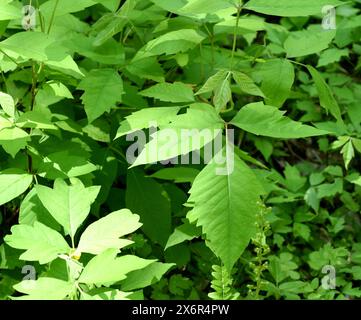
(87, 214)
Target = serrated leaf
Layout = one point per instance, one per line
(348, 153)
(246, 84)
(171, 92)
(269, 121)
(105, 232)
(327, 99)
(68, 204)
(41, 243)
(13, 182)
(103, 89)
(225, 206)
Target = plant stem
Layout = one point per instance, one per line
(52, 16)
(42, 26)
(32, 104)
(239, 9)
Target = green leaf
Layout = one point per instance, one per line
(105, 232)
(306, 42)
(182, 233)
(172, 92)
(286, 8)
(327, 99)
(142, 119)
(330, 189)
(13, 182)
(68, 204)
(178, 137)
(327, 255)
(110, 25)
(31, 210)
(106, 268)
(205, 6)
(246, 84)
(103, 89)
(213, 82)
(225, 206)
(110, 52)
(348, 153)
(178, 174)
(40, 47)
(148, 68)
(147, 276)
(66, 6)
(35, 119)
(29, 45)
(357, 144)
(264, 120)
(8, 104)
(13, 140)
(65, 164)
(8, 11)
(245, 25)
(105, 294)
(147, 198)
(59, 89)
(277, 80)
(41, 243)
(331, 56)
(170, 43)
(44, 289)
(283, 267)
(222, 94)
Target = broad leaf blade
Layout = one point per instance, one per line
(105, 232)
(41, 243)
(69, 205)
(225, 206)
(269, 121)
(13, 183)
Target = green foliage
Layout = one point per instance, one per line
(186, 149)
